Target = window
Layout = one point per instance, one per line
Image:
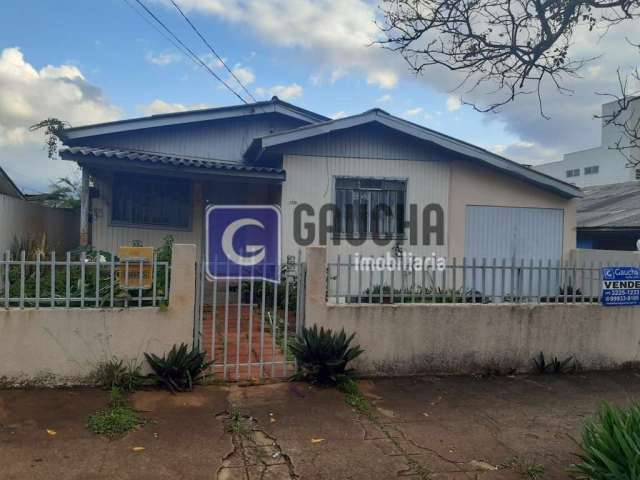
(370, 206)
(573, 173)
(591, 170)
(151, 201)
(637, 173)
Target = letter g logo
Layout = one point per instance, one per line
(231, 253)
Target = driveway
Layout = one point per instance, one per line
(422, 427)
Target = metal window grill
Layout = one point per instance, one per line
(78, 281)
(469, 280)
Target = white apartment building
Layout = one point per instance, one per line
(601, 165)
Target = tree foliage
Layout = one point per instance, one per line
(53, 130)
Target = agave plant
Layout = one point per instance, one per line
(610, 447)
(323, 355)
(179, 369)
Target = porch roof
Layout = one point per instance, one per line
(201, 165)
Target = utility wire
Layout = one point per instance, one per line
(161, 32)
(204, 40)
(193, 55)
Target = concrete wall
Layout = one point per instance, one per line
(463, 339)
(23, 219)
(61, 345)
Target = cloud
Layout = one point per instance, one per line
(283, 92)
(453, 103)
(386, 98)
(334, 35)
(163, 59)
(29, 95)
(337, 115)
(385, 79)
(528, 153)
(160, 106)
(244, 74)
(412, 112)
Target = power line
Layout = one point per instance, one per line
(193, 55)
(204, 40)
(161, 32)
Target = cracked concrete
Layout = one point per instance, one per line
(421, 427)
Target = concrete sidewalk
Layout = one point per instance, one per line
(422, 427)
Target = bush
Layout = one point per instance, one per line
(116, 373)
(323, 355)
(178, 370)
(610, 446)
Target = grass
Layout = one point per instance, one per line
(354, 397)
(528, 469)
(237, 424)
(113, 420)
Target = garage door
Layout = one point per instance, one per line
(523, 234)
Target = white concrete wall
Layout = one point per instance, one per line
(23, 219)
(63, 345)
(464, 339)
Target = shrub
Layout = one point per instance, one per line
(610, 447)
(323, 355)
(179, 369)
(127, 376)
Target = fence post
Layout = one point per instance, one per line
(182, 291)
(316, 286)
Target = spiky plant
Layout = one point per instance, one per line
(610, 447)
(323, 355)
(180, 369)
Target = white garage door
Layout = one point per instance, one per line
(523, 234)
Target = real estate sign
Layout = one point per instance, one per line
(243, 242)
(620, 286)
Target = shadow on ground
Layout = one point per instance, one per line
(422, 427)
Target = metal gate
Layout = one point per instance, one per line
(247, 326)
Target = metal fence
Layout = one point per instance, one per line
(247, 326)
(80, 281)
(466, 281)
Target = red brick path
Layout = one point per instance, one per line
(240, 348)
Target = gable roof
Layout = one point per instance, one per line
(275, 105)
(260, 145)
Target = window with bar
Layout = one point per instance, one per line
(151, 201)
(369, 206)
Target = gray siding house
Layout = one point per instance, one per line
(150, 177)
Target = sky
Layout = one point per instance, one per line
(94, 61)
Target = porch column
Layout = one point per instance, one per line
(84, 208)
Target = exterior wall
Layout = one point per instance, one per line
(23, 219)
(310, 179)
(612, 165)
(219, 139)
(63, 345)
(466, 339)
(105, 236)
(477, 185)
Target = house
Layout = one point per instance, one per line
(609, 217)
(7, 187)
(146, 178)
(600, 165)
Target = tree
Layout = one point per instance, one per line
(63, 193)
(508, 48)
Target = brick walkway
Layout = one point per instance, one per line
(251, 351)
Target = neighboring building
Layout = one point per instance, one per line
(7, 187)
(600, 165)
(150, 177)
(609, 217)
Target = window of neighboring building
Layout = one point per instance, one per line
(370, 206)
(591, 170)
(637, 173)
(151, 201)
(573, 173)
